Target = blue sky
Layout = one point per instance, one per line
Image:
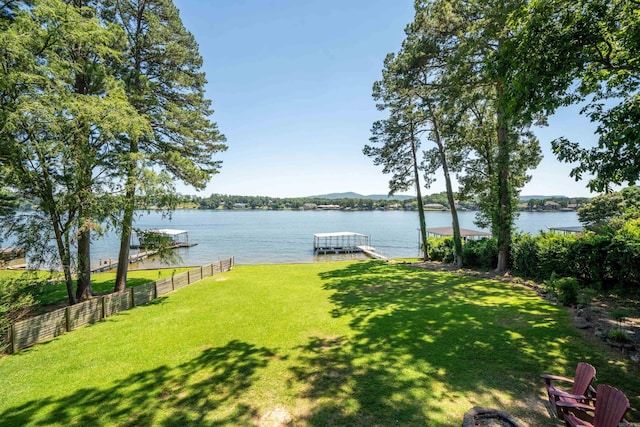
(291, 81)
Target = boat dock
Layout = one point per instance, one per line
(146, 241)
(162, 236)
(344, 242)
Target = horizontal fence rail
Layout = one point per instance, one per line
(45, 327)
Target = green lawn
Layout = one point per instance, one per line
(344, 343)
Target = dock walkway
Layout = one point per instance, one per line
(371, 252)
(109, 265)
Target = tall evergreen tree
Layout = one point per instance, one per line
(477, 73)
(61, 111)
(165, 85)
(397, 139)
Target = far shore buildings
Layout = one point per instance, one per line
(548, 206)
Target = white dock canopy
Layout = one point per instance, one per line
(342, 241)
(464, 233)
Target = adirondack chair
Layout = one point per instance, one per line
(610, 407)
(580, 387)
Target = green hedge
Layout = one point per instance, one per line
(538, 257)
(604, 261)
(440, 249)
(481, 253)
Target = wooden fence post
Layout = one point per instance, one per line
(67, 319)
(133, 299)
(12, 338)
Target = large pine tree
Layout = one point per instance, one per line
(165, 84)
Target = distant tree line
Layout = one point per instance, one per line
(219, 201)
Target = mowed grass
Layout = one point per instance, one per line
(344, 343)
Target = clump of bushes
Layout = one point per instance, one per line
(565, 289)
(440, 249)
(539, 256)
(606, 261)
(481, 253)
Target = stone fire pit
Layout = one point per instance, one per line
(488, 417)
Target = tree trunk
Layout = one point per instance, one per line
(125, 236)
(504, 214)
(83, 290)
(65, 257)
(457, 240)
(416, 178)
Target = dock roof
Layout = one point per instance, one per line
(464, 232)
(573, 229)
(338, 234)
(169, 231)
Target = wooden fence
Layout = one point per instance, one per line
(42, 328)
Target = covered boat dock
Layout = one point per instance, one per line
(465, 233)
(339, 242)
(568, 230)
(179, 238)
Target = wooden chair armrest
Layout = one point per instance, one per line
(561, 393)
(574, 405)
(549, 377)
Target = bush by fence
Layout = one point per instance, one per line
(49, 325)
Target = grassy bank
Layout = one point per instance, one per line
(345, 343)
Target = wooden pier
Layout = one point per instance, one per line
(371, 253)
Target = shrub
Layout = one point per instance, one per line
(567, 290)
(588, 260)
(440, 249)
(553, 251)
(481, 253)
(524, 256)
(618, 335)
(624, 256)
(541, 255)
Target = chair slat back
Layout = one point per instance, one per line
(611, 405)
(585, 373)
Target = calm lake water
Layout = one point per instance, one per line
(259, 237)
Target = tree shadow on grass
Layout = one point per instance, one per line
(428, 346)
(184, 395)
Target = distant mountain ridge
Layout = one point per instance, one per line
(352, 195)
